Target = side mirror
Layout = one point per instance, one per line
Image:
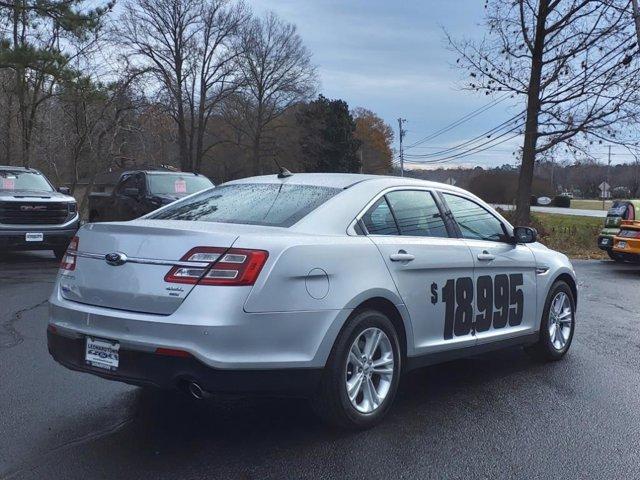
(525, 235)
(64, 190)
(131, 192)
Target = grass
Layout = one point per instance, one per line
(590, 204)
(574, 236)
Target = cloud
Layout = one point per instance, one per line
(391, 57)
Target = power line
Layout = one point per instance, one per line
(477, 149)
(460, 121)
(473, 146)
(448, 152)
(486, 134)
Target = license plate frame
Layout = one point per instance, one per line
(34, 237)
(102, 353)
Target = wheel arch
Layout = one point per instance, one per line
(381, 299)
(569, 280)
(391, 310)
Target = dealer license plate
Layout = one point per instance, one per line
(34, 237)
(622, 244)
(102, 353)
(604, 241)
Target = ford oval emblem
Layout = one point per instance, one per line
(115, 259)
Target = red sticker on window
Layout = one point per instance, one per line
(180, 186)
(8, 183)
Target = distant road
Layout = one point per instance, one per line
(562, 211)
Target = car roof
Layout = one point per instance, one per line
(17, 169)
(342, 180)
(165, 172)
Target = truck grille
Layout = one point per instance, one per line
(36, 213)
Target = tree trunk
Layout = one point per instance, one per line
(183, 149)
(523, 200)
(257, 139)
(182, 138)
(257, 165)
(8, 125)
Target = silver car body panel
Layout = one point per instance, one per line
(318, 271)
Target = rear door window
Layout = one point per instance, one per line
(405, 212)
(379, 219)
(271, 204)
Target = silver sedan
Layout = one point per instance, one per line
(327, 286)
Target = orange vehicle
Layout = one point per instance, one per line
(627, 242)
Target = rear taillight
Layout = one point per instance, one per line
(629, 234)
(234, 266)
(69, 260)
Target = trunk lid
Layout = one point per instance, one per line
(150, 247)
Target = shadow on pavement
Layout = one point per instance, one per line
(172, 433)
(27, 257)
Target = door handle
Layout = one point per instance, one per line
(401, 256)
(486, 256)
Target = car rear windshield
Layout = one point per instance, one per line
(23, 180)
(618, 209)
(168, 184)
(277, 205)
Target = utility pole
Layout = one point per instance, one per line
(606, 182)
(636, 17)
(401, 132)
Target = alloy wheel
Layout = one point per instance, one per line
(369, 370)
(560, 320)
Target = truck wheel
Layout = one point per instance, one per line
(362, 374)
(616, 257)
(557, 324)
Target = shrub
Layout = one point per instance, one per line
(561, 201)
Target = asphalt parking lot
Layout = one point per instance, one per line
(499, 415)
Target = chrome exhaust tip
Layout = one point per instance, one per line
(196, 391)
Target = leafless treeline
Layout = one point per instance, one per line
(205, 85)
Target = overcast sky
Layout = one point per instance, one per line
(391, 57)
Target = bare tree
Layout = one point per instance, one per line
(572, 61)
(277, 73)
(189, 46)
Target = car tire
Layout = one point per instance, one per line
(59, 252)
(557, 325)
(616, 257)
(332, 401)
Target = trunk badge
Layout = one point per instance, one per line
(115, 259)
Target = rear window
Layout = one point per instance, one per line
(276, 205)
(618, 209)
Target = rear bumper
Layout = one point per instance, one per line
(150, 369)
(605, 242)
(216, 332)
(631, 252)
